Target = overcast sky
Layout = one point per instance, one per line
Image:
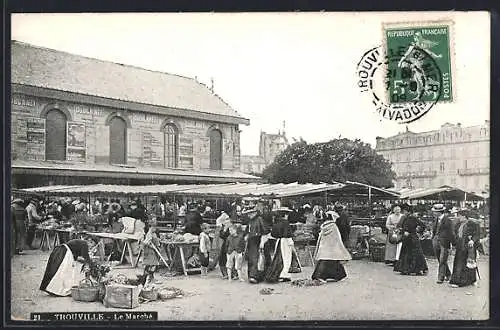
(298, 67)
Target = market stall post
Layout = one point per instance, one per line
(370, 213)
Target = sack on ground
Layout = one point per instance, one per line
(122, 296)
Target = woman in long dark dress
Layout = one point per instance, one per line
(411, 258)
(330, 253)
(282, 232)
(467, 238)
(64, 270)
(253, 235)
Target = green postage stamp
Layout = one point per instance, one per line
(420, 69)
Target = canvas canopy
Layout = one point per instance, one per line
(279, 190)
(443, 193)
(207, 190)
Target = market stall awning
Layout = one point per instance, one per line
(352, 189)
(443, 193)
(206, 190)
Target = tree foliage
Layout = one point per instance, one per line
(337, 160)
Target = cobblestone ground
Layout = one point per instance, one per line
(372, 291)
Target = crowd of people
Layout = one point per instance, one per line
(262, 235)
(404, 251)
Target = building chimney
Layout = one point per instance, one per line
(406, 128)
(196, 78)
(284, 125)
(211, 84)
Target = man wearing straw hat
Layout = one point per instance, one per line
(442, 238)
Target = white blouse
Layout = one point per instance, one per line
(392, 221)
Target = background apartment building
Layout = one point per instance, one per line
(452, 155)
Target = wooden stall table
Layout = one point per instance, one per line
(177, 247)
(306, 246)
(47, 231)
(126, 238)
(45, 241)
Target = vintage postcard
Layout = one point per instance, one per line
(250, 166)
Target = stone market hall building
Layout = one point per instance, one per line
(79, 120)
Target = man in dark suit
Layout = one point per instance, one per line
(193, 220)
(442, 239)
(342, 223)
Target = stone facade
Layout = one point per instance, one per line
(453, 155)
(145, 137)
(270, 146)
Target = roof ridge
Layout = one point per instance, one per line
(101, 60)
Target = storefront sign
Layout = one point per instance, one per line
(151, 147)
(85, 109)
(76, 146)
(145, 118)
(23, 101)
(76, 155)
(35, 136)
(186, 151)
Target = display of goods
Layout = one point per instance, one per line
(377, 252)
(378, 239)
(119, 279)
(122, 296)
(361, 229)
(190, 238)
(170, 293)
(178, 238)
(86, 291)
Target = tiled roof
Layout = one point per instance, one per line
(52, 69)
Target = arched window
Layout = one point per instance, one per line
(171, 138)
(55, 135)
(215, 150)
(117, 141)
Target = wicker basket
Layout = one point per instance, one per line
(150, 295)
(377, 252)
(87, 293)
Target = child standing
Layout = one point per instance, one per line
(205, 246)
(235, 248)
(151, 259)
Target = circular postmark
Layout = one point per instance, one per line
(408, 74)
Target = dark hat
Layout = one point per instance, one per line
(464, 212)
(338, 207)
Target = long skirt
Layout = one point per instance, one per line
(462, 275)
(253, 245)
(411, 257)
(281, 262)
(390, 250)
(62, 272)
(329, 270)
